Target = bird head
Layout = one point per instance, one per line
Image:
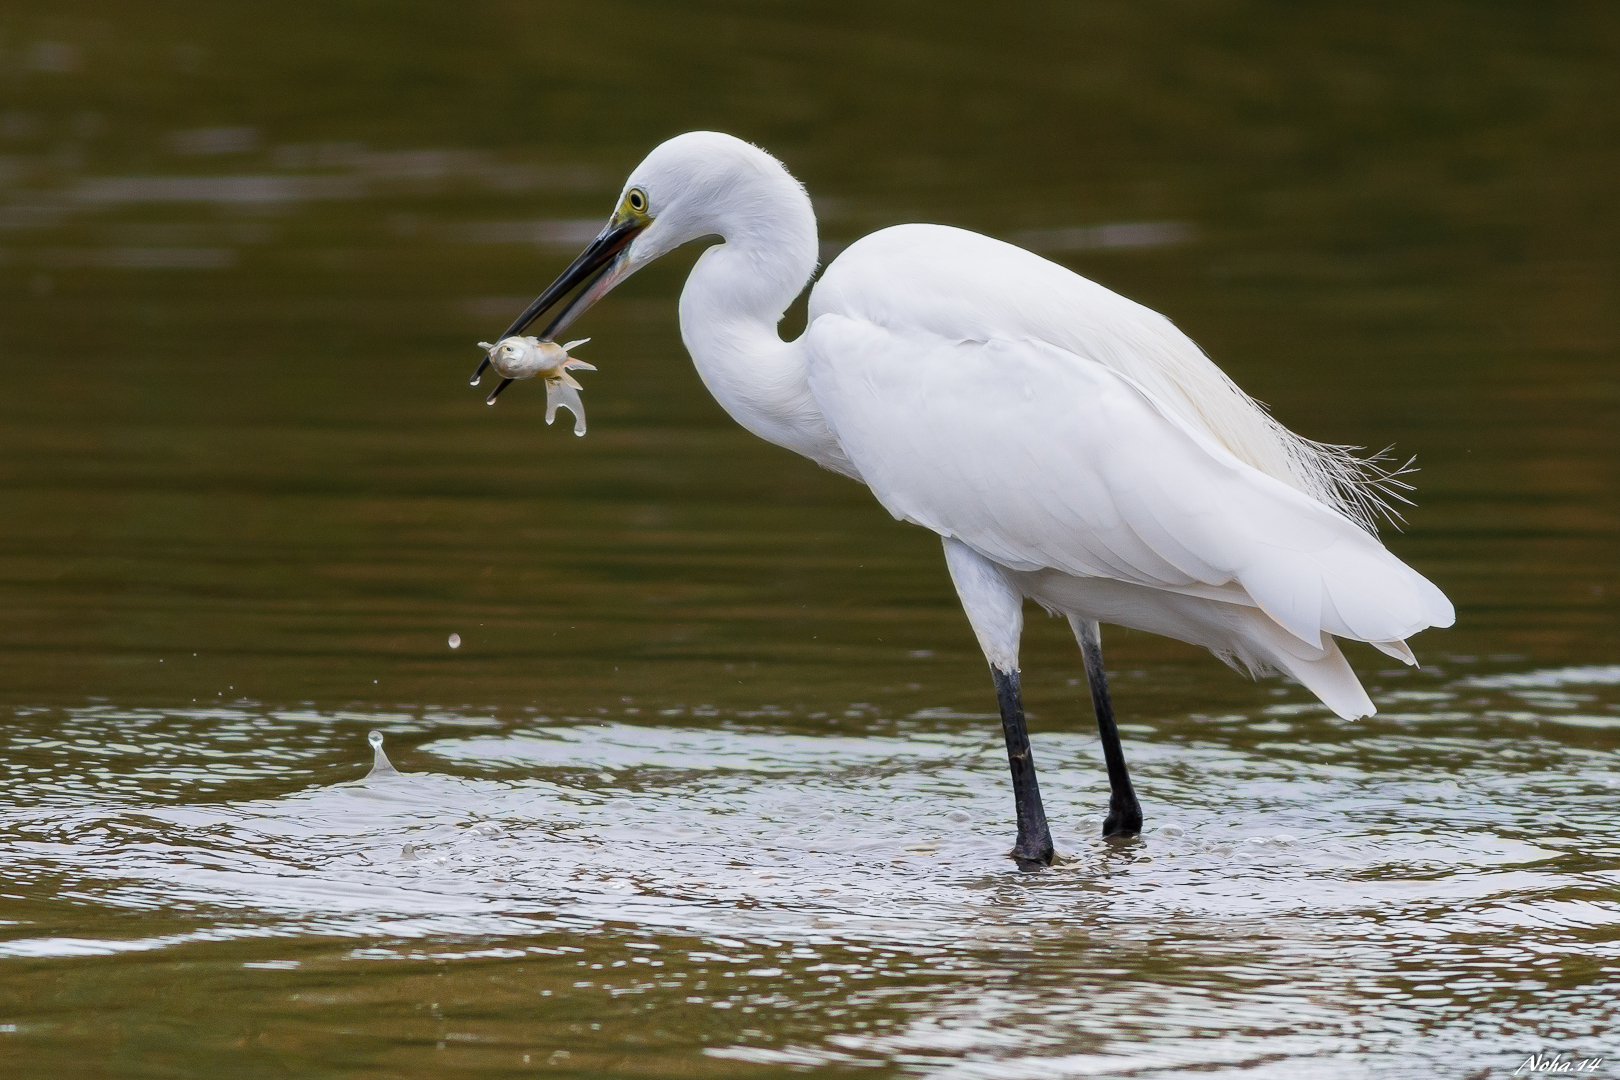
(685, 189)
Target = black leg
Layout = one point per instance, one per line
(1034, 846)
(1124, 812)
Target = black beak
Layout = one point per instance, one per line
(495, 393)
(597, 259)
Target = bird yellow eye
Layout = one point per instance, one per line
(637, 200)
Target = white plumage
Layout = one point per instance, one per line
(1071, 446)
(1047, 424)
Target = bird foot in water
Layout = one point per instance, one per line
(1032, 854)
(1123, 819)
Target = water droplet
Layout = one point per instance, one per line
(455, 641)
(380, 765)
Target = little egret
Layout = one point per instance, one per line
(1068, 445)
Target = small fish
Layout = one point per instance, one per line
(525, 357)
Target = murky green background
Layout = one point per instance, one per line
(713, 786)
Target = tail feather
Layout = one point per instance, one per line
(1324, 671)
(1330, 679)
(1400, 650)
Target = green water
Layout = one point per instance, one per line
(713, 785)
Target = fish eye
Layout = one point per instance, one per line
(637, 200)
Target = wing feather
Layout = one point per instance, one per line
(964, 286)
(1039, 458)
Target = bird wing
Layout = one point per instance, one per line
(1038, 457)
(964, 286)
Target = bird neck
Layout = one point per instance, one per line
(732, 305)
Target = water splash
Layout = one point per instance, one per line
(380, 765)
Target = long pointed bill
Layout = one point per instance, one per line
(495, 393)
(604, 257)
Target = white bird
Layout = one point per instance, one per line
(1068, 445)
